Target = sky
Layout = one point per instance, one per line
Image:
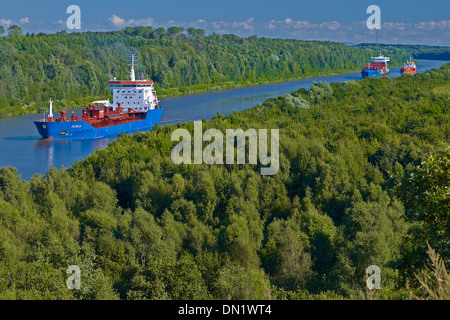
(402, 22)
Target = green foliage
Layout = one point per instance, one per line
(236, 282)
(140, 227)
(427, 198)
(297, 102)
(320, 91)
(425, 192)
(416, 51)
(14, 31)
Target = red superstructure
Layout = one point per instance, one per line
(409, 67)
(137, 82)
(100, 117)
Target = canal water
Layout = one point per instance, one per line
(21, 146)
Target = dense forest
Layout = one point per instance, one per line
(416, 51)
(74, 69)
(363, 180)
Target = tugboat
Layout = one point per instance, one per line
(409, 67)
(135, 107)
(377, 68)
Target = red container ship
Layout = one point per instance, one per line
(409, 67)
(377, 68)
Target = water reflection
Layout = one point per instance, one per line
(63, 153)
(21, 138)
(47, 149)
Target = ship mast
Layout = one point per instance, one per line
(51, 108)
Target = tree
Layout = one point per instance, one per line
(160, 32)
(297, 102)
(174, 32)
(285, 255)
(238, 242)
(236, 282)
(14, 31)
(320, 90)
(193, 32)
(427, 202)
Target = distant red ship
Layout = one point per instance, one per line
(409, 67)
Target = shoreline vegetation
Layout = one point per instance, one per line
(74, 68)
(256, 84)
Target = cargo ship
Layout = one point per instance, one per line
(377, 68)
(135, 107)
(409, 67)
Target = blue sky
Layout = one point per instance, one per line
(413, 21)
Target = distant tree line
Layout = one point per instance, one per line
(73, 69)
(416, 51)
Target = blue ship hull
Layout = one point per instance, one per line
(70, 130)
(370, 73)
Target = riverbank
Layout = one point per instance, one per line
(220, 88)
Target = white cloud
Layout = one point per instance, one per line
(332, 25)
(25, 20)
(288, 23)
(199, 23)
(5, 22)
(121, 22)
(427, 32)
(430, 25)
(443, 24)
(224, 26)
(394, 26)
(246, 25)
(147, 22)
(218, 24)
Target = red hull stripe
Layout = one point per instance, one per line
(130, 82)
